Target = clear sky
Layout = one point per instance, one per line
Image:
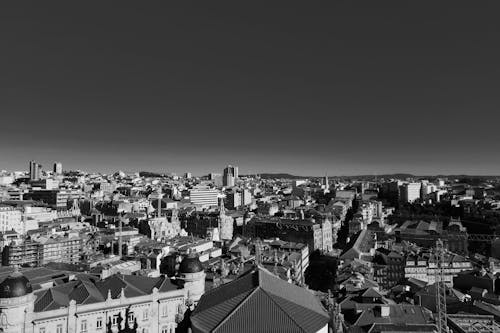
(344, 87)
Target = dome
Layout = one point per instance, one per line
(191, 264)
(15, 285)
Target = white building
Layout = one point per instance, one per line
(410, 192)
(149, 305)
(204, 196)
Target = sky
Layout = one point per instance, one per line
(337, 87)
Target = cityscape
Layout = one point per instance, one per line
(150, 252)
(249, 167)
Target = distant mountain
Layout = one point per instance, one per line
(280, 176)
(372, 177)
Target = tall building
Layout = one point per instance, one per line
(57, 168)
(204, 196)
(230, 176)
(410, 192)
(35, 170)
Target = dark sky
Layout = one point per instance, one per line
(344, 87)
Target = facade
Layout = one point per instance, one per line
(307, 231)
(38, 253)
(204, 196)
(423, 267)
(57, 199)
(11, 219)
(162, 228)
(410, 192)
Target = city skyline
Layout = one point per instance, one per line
(339, 88)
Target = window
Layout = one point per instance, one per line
(99, 323)
(114, 320)
(164, 329)
(144, 330)
(164, 312)
(131, 317)
(83, 326)
(41, 330)
(59, 329)
(145, 314)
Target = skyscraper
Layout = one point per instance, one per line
(35, 170)
(57, 168)
(230, 176)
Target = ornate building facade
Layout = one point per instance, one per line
(120, 303)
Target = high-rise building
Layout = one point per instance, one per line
(35, 170)
(57, 168)
(410, 192)
(230, 176)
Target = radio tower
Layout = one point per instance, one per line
(440, 288)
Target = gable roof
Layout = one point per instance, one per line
(84, 290)
(256, 302)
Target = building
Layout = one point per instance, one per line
(60, 249)
(11, 219)
(234, 199)
(57, 199)
(43, 251)
(258, 301)
(57, 168)
(410, 192)
(204, 196)
(35, 170)
(317, 235)
(120, 303)
(230, 176)
(423, 267)
(225, 223)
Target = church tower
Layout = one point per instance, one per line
(225, 223)
(192, 274)
(17, 303)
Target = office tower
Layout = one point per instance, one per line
(230, 176)
(57, 168)
(35, 170)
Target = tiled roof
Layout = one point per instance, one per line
(258, 302)
(85, 290)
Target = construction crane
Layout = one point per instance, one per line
(442, 319)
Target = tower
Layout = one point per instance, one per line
(35, 170)
(225, 223)
(192, 275)
(230, 176)
(57, 168)
(17, 303)
(160, 195)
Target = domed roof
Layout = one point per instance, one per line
(190, 264)
(15, 285)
